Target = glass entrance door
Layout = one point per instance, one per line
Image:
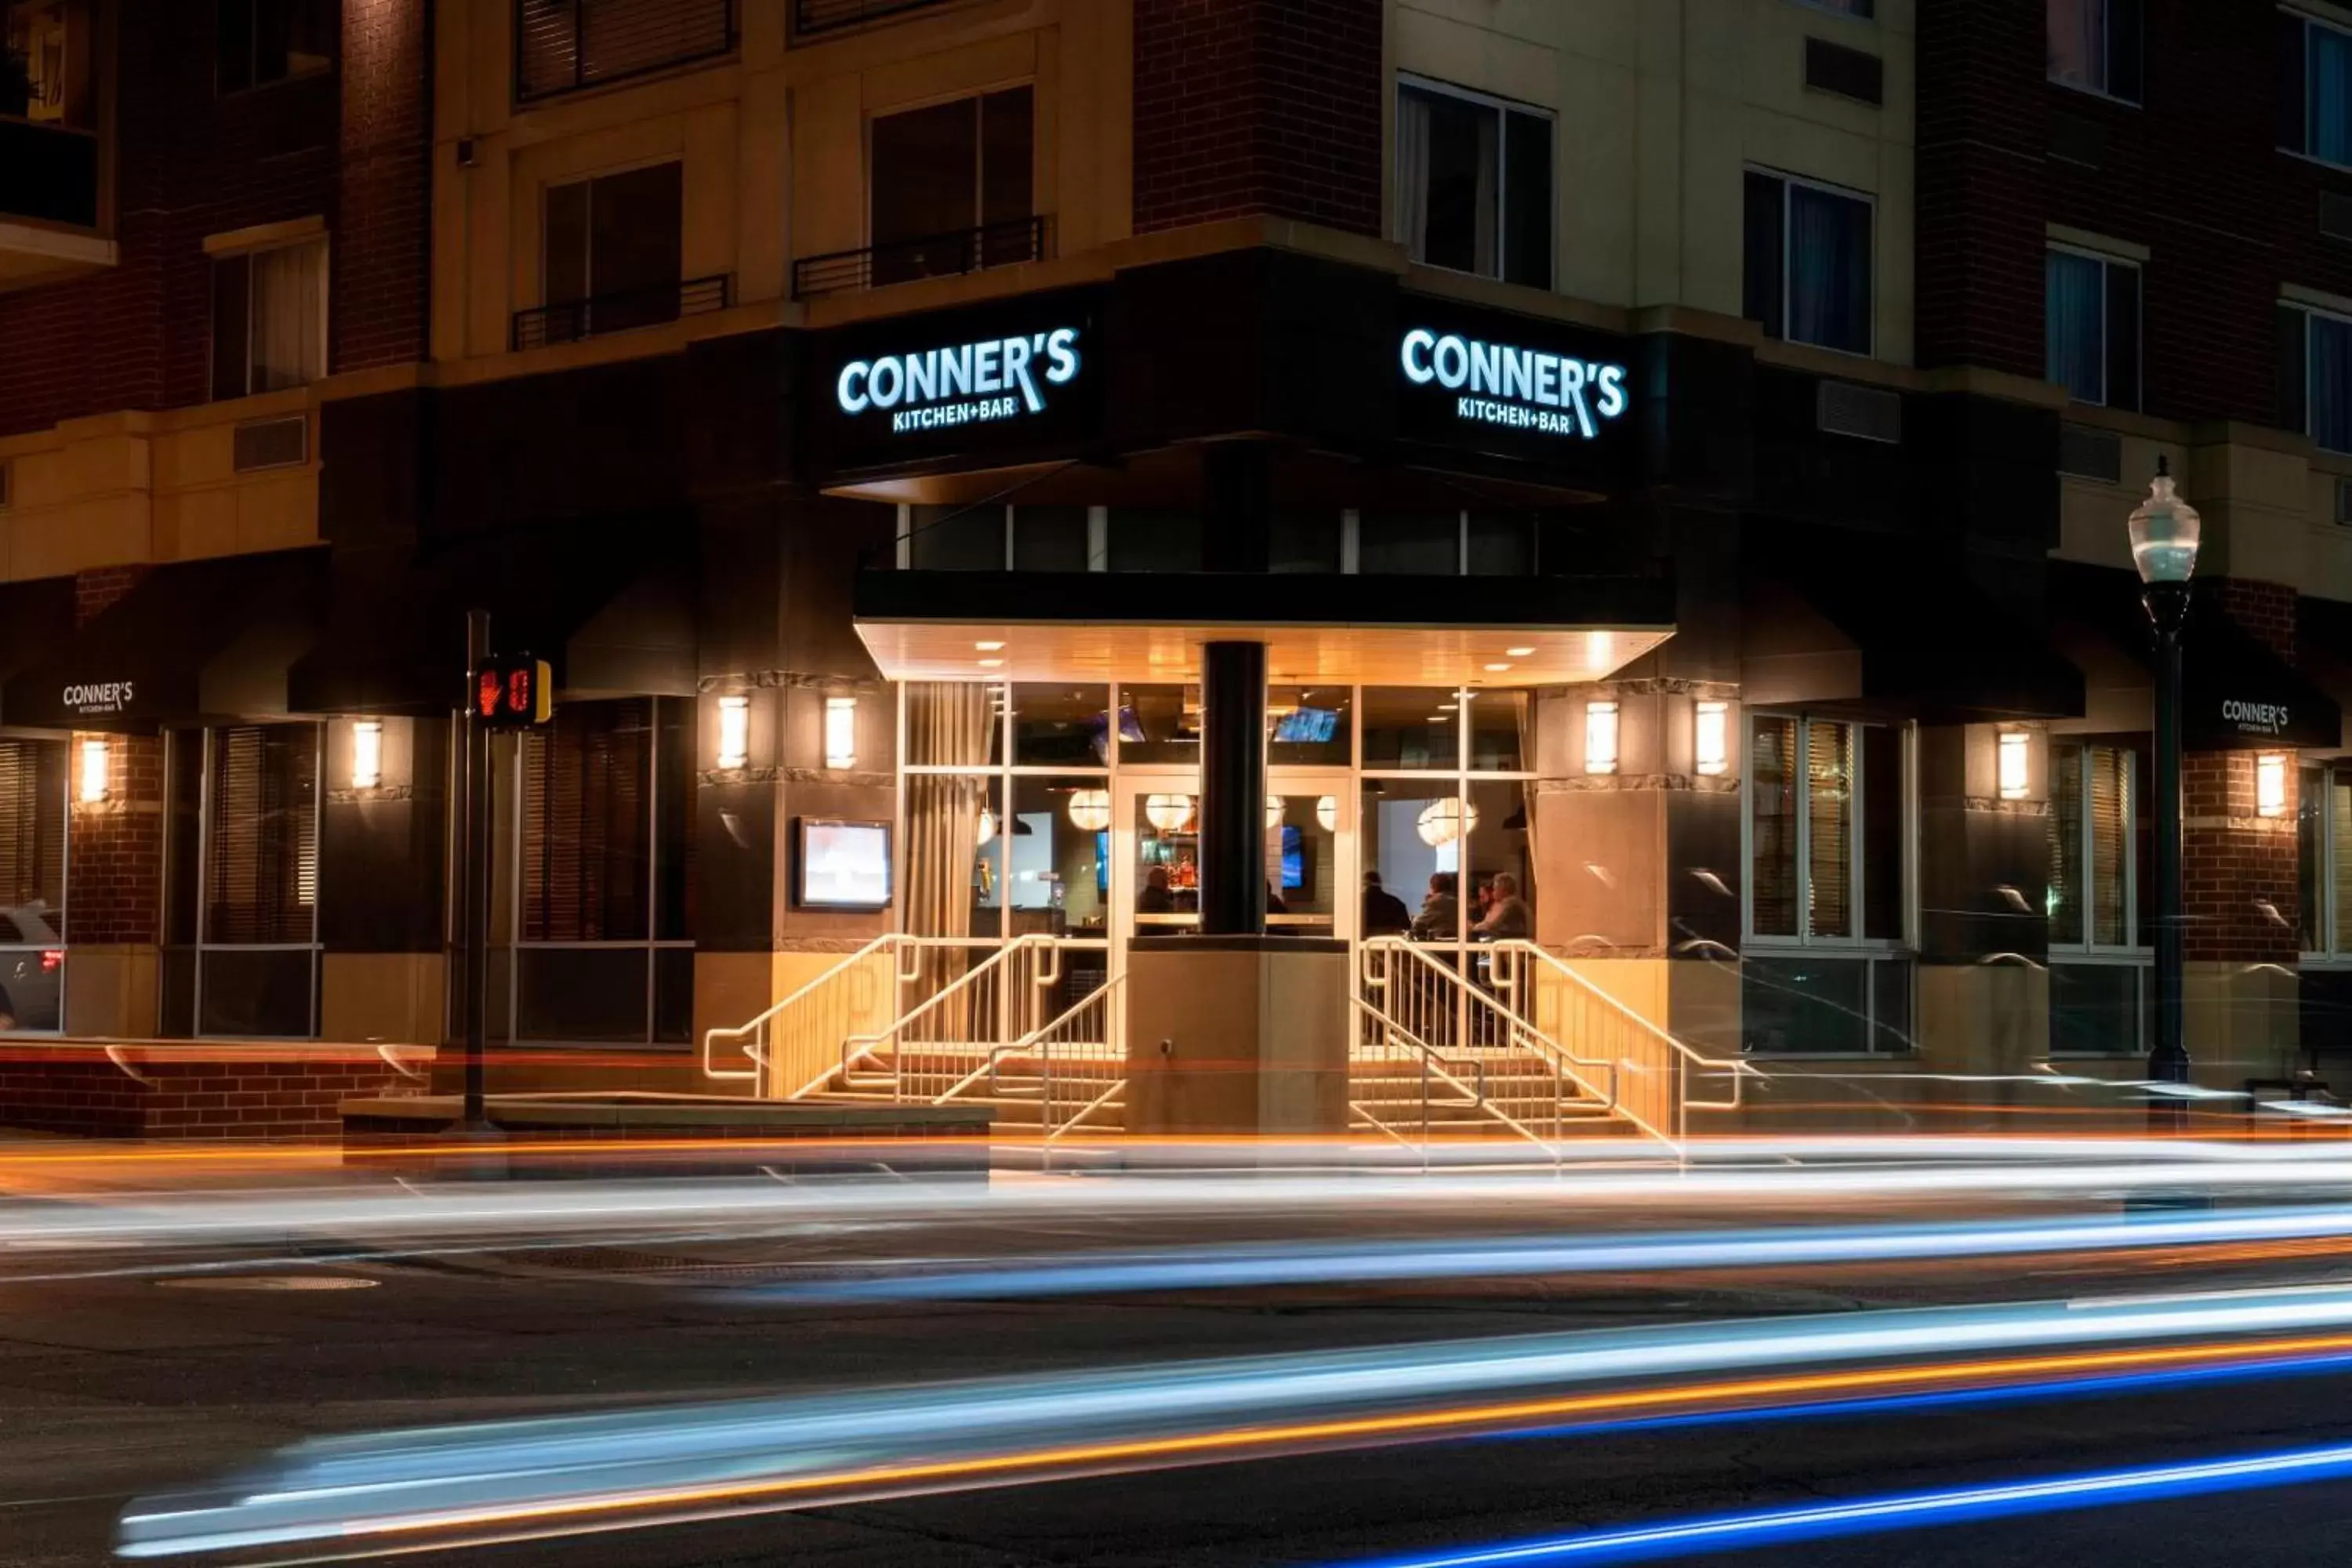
(1309, 853)
(1156, 853)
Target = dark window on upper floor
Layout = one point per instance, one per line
(561, 45)
(2315, 88)
(1473, 183)
(947, 170)
(1807, 265)
(2098, 45)
(1866, 9)
(612, 243)
(2314, 383)
(269, 318)
(257, 42)
(2093, 327)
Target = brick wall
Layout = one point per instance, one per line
(114, 849)
(2193, 173)
(190, 163)
(80, 1092)
(1247, 107)
(2239, 886)
(382, 258)
(97, 590)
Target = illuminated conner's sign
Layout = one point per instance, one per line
(1527, 389)
(996, 378)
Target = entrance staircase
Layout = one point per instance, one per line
(1501, 1041)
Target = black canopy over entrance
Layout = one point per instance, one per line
(200, 639)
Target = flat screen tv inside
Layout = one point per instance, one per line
(842, 864)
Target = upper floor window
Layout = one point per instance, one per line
(46, 73)
(561, 45)
(1866, 9)
(2315, 88)
(2096, 45)
(269, 318)
(2314, 381)
(943, 173)
(1808, 266)
(257, 42)
(612, 251)
(2093, 326)
(1473, 183)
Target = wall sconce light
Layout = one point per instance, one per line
(1089, 810)
(367, 753)
(2270, 783)
(1711, 739)
(841, 732)
(734, 731)
(1601, 737)
(2012, 764)
(95, 786)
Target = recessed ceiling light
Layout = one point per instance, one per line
(1496, 668)
(1520, 652)
(988, 646)
(1447, 707)
(991, 664)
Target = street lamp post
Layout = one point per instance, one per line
(2163, 535)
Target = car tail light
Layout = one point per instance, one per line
(52, 960)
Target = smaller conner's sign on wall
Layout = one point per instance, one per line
(96, 698)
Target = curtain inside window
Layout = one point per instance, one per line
(2065, 901)
(2331, 384)
(261, 846)
(2339, 805)
(2111, 776)
(2330, 105)
(2077, 43)
(949, 724)
(290, 341)
(1829, 266)
(2076, 300)
(586, 825)
(1412, 174)
(1772, 826)
(32, 834)
(1829, 812)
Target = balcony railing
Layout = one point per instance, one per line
(48, 173)
(563, 45)
(931, 256)
(831, 16)
(573, 320)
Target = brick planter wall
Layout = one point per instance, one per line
(243, 1092)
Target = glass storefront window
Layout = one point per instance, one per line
(1167, 862)
(2097, 1009)
(1829, 809)
(1498, 874)
(953, 724)
(32, 886)
(1410, 832)
(1159, 724)
(1309, 726)
(1058, 725)
(1302, 864)
(1772, 825)
(954, 855)
(1413, 727)
(1306, 542)
(1501, 736)
(1057, 866)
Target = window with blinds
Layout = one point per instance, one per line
(2324, 841)
(2094, 796)
(261, 836)
(32, 836)
(607, 865)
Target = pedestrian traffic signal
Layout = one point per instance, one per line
(513, 693)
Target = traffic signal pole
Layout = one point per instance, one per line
(475, 1118)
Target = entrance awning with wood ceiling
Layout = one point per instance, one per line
(1386, 631)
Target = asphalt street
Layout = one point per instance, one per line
(117, 1388)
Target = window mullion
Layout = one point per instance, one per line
(1802, 797)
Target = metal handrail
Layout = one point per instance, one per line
(622, 311)
(1692, 1062)
(1522, 1028)
(989, 967)
(1008, 242)
(987, 1068)
(746, 1036)
(1435, 1063)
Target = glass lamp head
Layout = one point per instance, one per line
(2164, 532)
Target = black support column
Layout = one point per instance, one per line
(1232, 789)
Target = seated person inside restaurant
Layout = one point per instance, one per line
(1385, 913)
(1440, 910)
(1505, 917)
